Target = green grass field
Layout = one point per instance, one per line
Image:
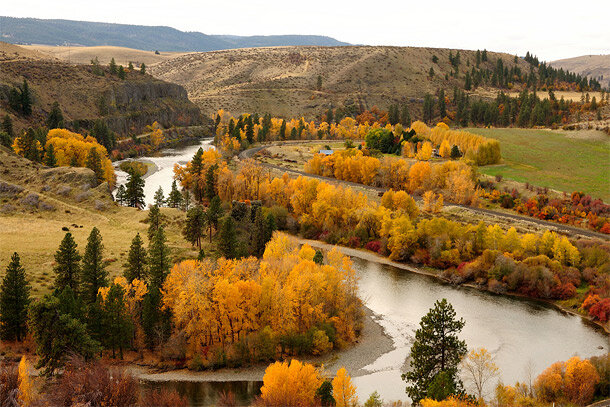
(562, 160)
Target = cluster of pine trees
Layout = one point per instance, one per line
(86, 312)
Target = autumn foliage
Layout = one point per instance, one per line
(572, 381)
(284, 304)
(290, 384)
(454, 179)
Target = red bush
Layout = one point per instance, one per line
(601, 310)
(373, 245)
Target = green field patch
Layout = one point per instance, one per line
(556, 159)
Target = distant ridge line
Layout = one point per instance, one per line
(23, 31)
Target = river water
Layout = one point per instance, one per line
(518, 332)
(164, 173)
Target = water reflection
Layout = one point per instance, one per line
(207, 393)
(517, 331)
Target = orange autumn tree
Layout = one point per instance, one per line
(73, 149)
(286, 294)
(344, 392)
(572, 381)
(290, 384)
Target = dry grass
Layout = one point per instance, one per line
(121, 55)
(36, 233)
(282, 80)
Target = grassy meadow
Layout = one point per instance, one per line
(562, 160)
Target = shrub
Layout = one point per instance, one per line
(94, 384)
(164, 398)
(373, 245)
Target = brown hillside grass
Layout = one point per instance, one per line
(84, 55)
(283, 80)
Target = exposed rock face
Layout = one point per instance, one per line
(86, 94)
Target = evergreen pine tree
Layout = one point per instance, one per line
(94, 274)
(26, 99)
(130, 66)
(55, 120)
(249, 130)
(259, 233)
(94, 163)
(318, 258)
(142, 68)
(117, 327)
(210, 182)
(174, 199)
(121, 72)
(136, 265)
(213, 214)
(441, 104)
(7, 126)
(435, 354)
(428, 109)
(49, 159)
(103, 134)
(67, 267)
(134, 190)
(159, 197)
(154, 221)
(227, 241)
(283, 130)
(455, 152)
(121, 193)
(58, 335)
(159, 262)
(14, 301)
(113, 67)
(194, 226)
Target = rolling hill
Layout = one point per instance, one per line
(592, 66)
(64, 32)
(127, 106)
(283, 80)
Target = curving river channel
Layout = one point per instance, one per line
(519, 332)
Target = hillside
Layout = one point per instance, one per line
(128, 105)
(62, 32)
(284, 80)
(84, 55)
(39, 204)
(593, 66)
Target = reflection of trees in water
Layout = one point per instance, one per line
(207, 393)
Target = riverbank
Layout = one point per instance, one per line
(372, 344)
(374, 257)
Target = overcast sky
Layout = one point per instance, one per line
(551, 29)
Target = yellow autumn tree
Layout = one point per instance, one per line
(26, 385)
(425, 152)
(344, 392)
(293, 384)
(445, 149)
(73, 149)
(479, 368)
(156, 135)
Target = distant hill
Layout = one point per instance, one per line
(127, 105)
(592, 66)
(283, 80)
(62, 32)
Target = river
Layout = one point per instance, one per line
(518, 332)
(163, 174)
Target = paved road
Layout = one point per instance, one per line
(568, 229)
